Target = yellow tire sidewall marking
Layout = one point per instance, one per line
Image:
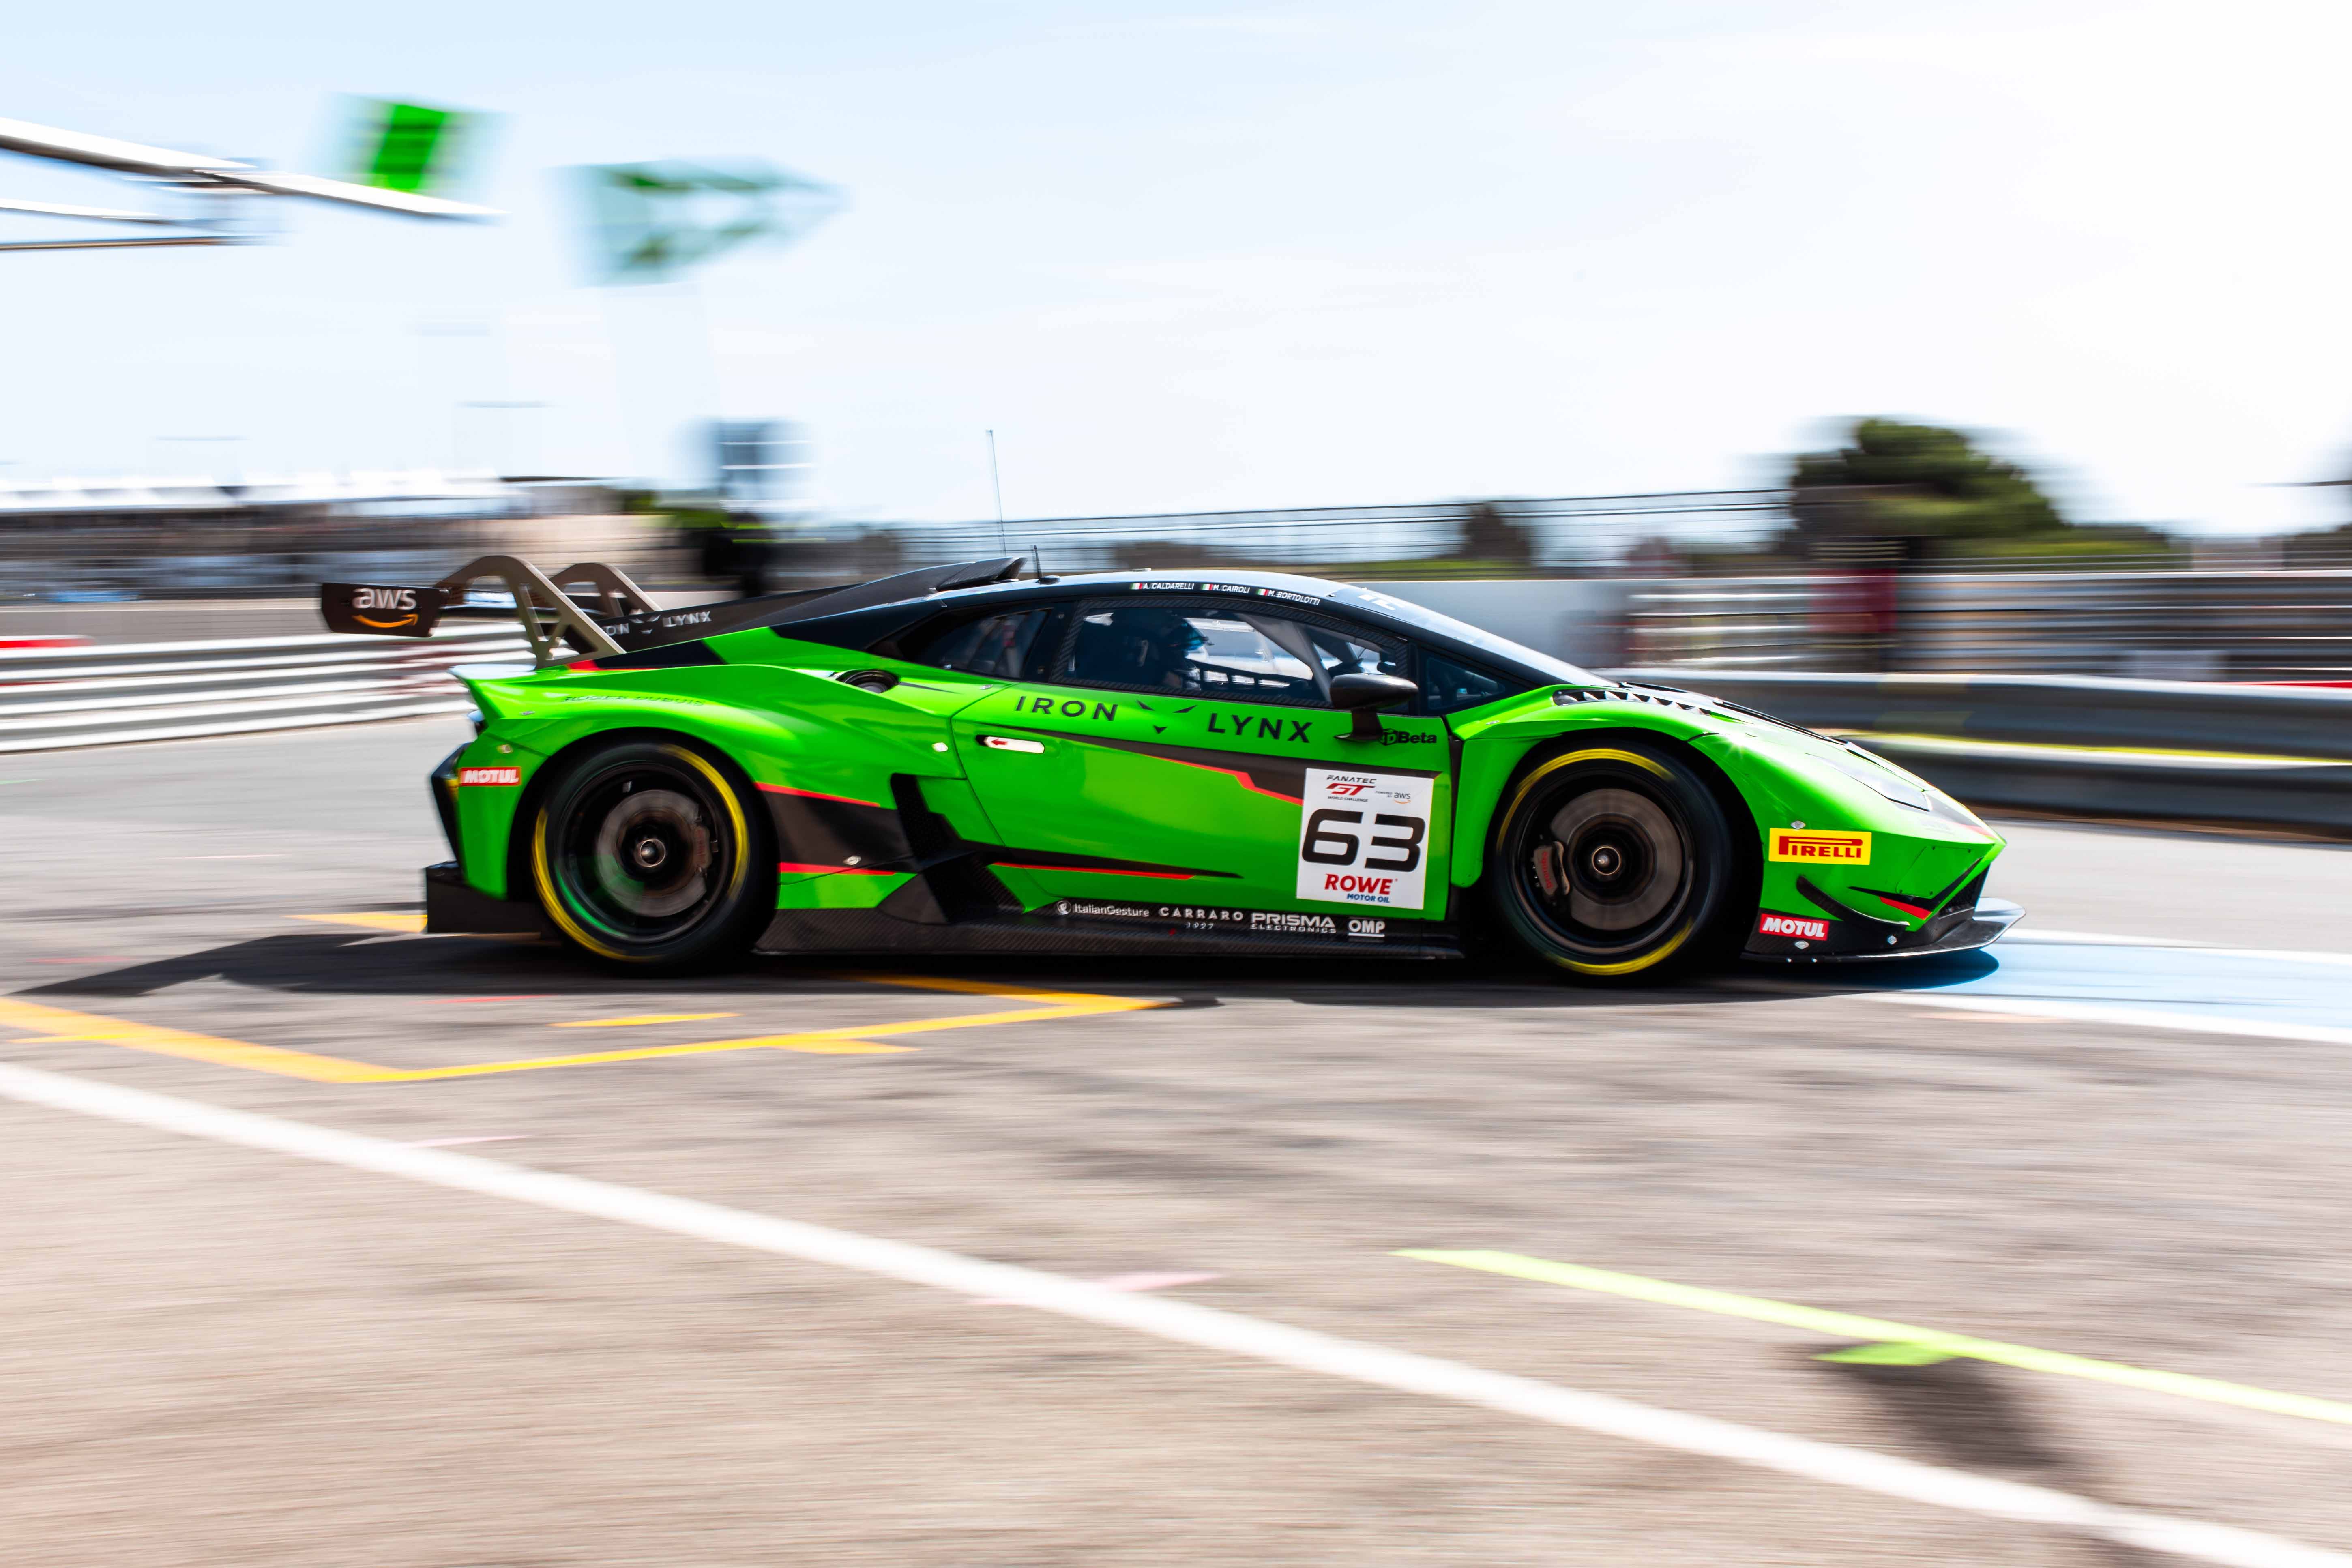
(1608, 754)
(543, 874)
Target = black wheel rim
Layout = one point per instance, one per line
(642, 853)
(1604, 866)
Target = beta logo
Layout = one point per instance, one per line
(489, 775)
(1810, 848)
(1798, 926)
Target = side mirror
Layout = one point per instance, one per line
(1366, 695)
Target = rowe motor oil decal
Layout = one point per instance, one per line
(1363, 838)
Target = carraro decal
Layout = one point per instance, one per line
(1362, 839)
(1808, 846)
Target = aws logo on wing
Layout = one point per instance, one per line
(399, 602)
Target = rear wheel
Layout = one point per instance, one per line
(645, 856)
(1615, 861)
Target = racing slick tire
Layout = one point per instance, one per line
(646, 857)
(1616, 862)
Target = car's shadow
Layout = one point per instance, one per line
(361, 964)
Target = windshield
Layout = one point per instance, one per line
(1544, 664)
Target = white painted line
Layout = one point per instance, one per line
(2068, 1010)
(1184, 1323)
(2101, 938)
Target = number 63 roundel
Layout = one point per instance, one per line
(1360, 838)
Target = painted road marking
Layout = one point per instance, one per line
(368, 919)
(2058, 1009)
(2104, 939)
(56, 1026)
(1897, 1344)
(1183, 1322)
(641, 1018)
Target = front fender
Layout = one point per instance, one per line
(1853, 844)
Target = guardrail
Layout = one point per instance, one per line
(2081, 745)
(51, 698)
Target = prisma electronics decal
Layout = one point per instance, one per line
(1769, 924)
(1820, 848)
(1362, 839)
(489, 775)
(1196, 917)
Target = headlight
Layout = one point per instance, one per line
(1863, 768)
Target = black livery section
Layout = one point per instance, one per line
(1959, 919)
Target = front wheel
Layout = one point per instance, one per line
(645, 858)
(1615, 860)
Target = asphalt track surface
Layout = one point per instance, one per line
(2130, 1151)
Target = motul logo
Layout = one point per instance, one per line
(1768, 924)
(1820, 848)
(489, 775)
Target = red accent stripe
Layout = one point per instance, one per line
(820, 794)
(583, 664)
(1097, 871)
(845, 870)
(1915, 911)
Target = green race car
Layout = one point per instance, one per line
(960, 759)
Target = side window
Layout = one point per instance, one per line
(1001, 645)
(1448, 684)
(1235, 652)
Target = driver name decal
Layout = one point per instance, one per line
(1363, 838)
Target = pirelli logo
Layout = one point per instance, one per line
(1805, 844)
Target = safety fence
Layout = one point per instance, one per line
(2081, 745)
(51, 698)
(2184, 625)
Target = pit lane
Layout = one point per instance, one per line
(2137, 1192)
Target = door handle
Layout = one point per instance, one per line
(1011, 743)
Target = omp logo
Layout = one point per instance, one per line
(1368, 930)
(1770, 924)
(1820, 848)
(489, 775)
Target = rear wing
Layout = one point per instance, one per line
(600, 613)
(595, 623)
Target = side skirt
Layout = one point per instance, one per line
(1148, 930)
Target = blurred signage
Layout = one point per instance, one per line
(407, 147)
(647, 223)
(757, 459)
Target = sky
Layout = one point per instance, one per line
(1203, 256)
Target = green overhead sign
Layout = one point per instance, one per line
(647, 223)
(407, 147)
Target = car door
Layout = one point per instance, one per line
(1183, 752)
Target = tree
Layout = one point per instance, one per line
(1916, 481)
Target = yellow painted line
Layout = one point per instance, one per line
(640, 1018)
(371, 921)
(57, 1025)
(1894, 1344)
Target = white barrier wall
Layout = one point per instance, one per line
(1577, 619)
